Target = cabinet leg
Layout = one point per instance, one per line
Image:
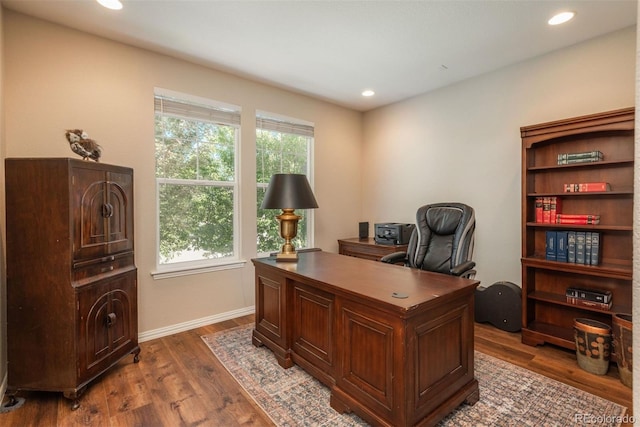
(74, 396)
(136, 355)
(473, 398)
(13, 403)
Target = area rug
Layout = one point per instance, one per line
(509, 395)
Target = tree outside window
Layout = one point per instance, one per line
(281, 147)
(196, 182)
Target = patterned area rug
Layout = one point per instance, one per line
(509, 395)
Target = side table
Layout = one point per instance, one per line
(367, 248)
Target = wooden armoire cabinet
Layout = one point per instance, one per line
(71, 276)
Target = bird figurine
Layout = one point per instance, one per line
(82, 145)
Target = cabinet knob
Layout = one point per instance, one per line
(107, 210)
(111, 319)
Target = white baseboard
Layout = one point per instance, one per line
(192, 324)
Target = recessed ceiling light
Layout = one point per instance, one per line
(368, 92)
(111, 4)
(561, 18)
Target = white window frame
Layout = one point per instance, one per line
(202, 266)
(287, 123)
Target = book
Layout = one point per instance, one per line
(578, 221)
(578, 216)
(598, 295)
(587, 248)
(550, 248)
(580, 242)
(554, 208)
(580, 155)
(587, 156)
(538, 209)
(546, 210)
(586, 303)
(587, 187)
(571, 246)
(562, 246)
(595, 248)
(585, 160)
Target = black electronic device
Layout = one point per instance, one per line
(393, 233)
(363, 231)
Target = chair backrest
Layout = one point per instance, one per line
(443, 238)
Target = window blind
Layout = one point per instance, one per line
(268, 123)
(184, 110)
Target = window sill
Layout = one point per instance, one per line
(168, 272)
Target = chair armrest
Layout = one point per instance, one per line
(394, 258)
(460, 269)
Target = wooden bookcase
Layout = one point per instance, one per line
(546, 316)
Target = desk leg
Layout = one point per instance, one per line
(282, 356)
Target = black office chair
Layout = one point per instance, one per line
(442, 240)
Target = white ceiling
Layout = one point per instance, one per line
(334, 49)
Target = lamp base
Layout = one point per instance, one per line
(281, 256)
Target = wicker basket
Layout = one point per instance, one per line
(593, 345)
(622, 344)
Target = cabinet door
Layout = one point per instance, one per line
(119, 191)
(103, 222)
(107, 322)
(313, 332)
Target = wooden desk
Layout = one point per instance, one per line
(367, 248)
(392, 361)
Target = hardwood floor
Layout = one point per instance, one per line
(178, 382)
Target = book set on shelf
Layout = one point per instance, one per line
(582, 157)
(587, 187)
(576, 247)
(548, 211)
(590, 298)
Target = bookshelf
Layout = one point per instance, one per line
(547, 317)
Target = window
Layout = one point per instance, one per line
(196, 143)
(282, 146)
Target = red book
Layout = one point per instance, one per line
(577, 216)
(587, 187)
(554, 209)
(594, 186)
(588, 303)
(578, 221)
(546, 210)
(538, 209)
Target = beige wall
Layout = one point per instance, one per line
(57, 78)
(462, 142)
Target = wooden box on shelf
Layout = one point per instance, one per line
(547, 316)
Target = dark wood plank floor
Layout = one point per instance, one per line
(179, 382)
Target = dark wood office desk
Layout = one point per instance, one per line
(393, 361)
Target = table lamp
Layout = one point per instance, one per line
(288, 191)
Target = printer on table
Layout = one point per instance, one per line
(393, 233)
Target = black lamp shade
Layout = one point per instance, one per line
(289, 191)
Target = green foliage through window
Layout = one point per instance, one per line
(196, 178)
(279, 152)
